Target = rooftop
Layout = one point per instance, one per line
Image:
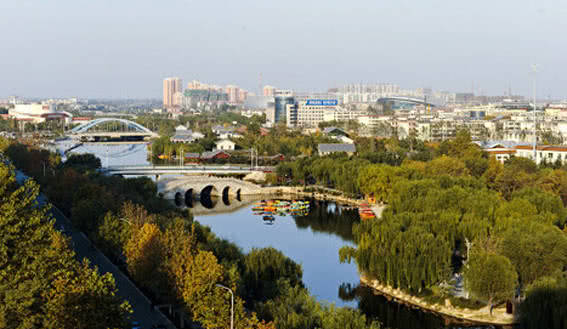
(326, 148)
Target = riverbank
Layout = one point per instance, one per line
(460, 315)
(481, 316)
(299, 191)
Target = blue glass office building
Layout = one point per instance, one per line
(280, 103)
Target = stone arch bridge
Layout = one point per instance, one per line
(193, 187)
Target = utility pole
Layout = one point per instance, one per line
(534, 70)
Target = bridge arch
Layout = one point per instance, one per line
(178, 198)
(130, 125)
(226, 195)
(207, 196)
(209, 190)
(189, 198)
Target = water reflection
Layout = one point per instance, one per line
(391, 314)
(331, 218)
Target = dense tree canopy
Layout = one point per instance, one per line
(41, 283)
(490, 276)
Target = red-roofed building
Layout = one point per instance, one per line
(544, 153)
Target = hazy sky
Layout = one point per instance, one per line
(123, 48)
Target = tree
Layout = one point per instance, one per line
(447, 166)
(545, 305)
(511, 179)
(263, 267)
(490, 276)
(41, 284)
(81, 298)
(144, 255)
(536, 249)
(83, 162)
(548, 205)
(346, 318)
(113, 235)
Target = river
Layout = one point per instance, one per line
(312, 240)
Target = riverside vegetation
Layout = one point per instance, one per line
(453, 209)
(172, 258)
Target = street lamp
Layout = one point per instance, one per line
(534, 70)
(231, 303)
(125, 220)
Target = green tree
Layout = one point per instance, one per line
(40, 281)
(81, 298)
(263, 268)
(490, 276)
(536, 249)
(545, 305)
(83, 162)
(345, 318)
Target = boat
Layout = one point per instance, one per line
(366, 213)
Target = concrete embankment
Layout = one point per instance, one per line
(300, 192)
(480, 316)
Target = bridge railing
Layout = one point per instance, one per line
(139, 168)
(120, 167)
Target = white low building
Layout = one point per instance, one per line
(38, 113)
(310, 112)
(224, 145)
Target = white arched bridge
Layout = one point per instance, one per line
(196, 187)
(111, 128)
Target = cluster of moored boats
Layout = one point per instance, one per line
(271, 208)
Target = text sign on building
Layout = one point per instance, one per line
(322, 102)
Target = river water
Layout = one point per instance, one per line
(312, 240)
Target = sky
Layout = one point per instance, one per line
(124, 48)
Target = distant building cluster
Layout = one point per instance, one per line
(198, 94)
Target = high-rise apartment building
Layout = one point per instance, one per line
(171, 87)
(269, 90)
(242, 95)
(233, 94)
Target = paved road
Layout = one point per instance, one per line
(141, 305)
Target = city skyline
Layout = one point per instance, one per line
(123, 50)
